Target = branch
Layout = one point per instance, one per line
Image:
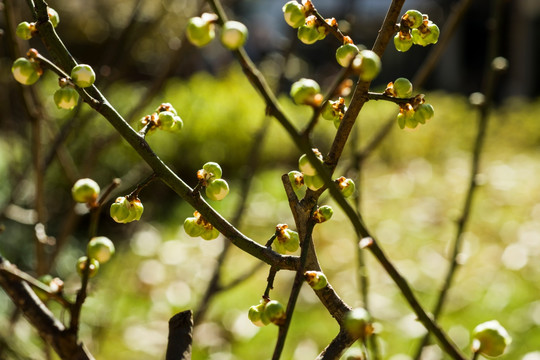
(338, 345)
(180, 336)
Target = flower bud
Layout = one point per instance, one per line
(414, 18)
(234, 35)
(297, 179)
(124, 210)
(306, 92)
(53, 16)
(426, 34)
(100, 248)
(490, 339)
(24, 30)
(66, 98)
(403, 88)
(287, 240)
(26, 71)
(367, 65)
(83, 75)
(210, 234)
(166, 120)
(403, 42)
(257, 316)
(309, 33)
(193, 228)
(275, 312)
(323, 213)
(305, 165)
(346, 186)
(93, 266)
(346, 53)
(213, 170)
(85, 191)
(200, 31)
(424, 112)
(293, 13)
(316, 279)
(358, 323)
(334, 110)
(217, 189)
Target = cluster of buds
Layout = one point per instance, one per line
(415, 28)
(201, 31)
(334, 110)
(411, 113)
(209, 176)
(126, 209)
(26, 30)
(165, 118)
(198, 226)
(268, 311)
(316, 279)
(311, 178)
(287, 241)
(99, 250)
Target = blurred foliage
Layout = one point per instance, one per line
(412, 190)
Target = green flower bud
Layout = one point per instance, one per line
(83, 75)
(100, 248)
(406, 118)
(490, 339)
(309, 32)
(275, 312)
(424, 112)
(293, 13)
(358, 323)
(200, 31)
(257, 316)
(85, 191)
(24, 30)
(316, 279)
(193, 228)
(323, 213)
(93, 266)
(334, 110)
(403, 42)
(213, 170)
(53, 16)
(367, 65)
(306, 92)
(287, 240)
(305, 165)
(217, 189)
(426, 34)
(66, 98)
(314, 182)
(25, 71)
(433, 35)
(346, 186)
(297, 179)
(346, 53)
(124, 211)
(210, 234)
(403, 88)
(414, 18)
(166, 120)
(234, 35)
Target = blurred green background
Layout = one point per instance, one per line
(412, 190)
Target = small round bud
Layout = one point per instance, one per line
(83, 75)
(275, 312)
(433, 35)
(166, 120)
(403, 88)
(424, 112)
(217, 189)
(210, 234)
(24, 30)
(316, 279)
(213, 170)
(100, 248)
(403, 42)
(256, 315)
(93, 266)
(193, 228)
(297, 179)
(199, 31)
(53, 16)
(314, 182)
(305, 165)
(287, 240)
(414, 18)
(66, 98)
(85, 191)
(490, 339)
(124, 210)
(305, 92)
(309, 32)
(367, 65)
(293, 13)
(234, 35)
(346, 53)
(426, 34)
(358, 323)
(346, 186)
(25, 71)
(323, 213)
